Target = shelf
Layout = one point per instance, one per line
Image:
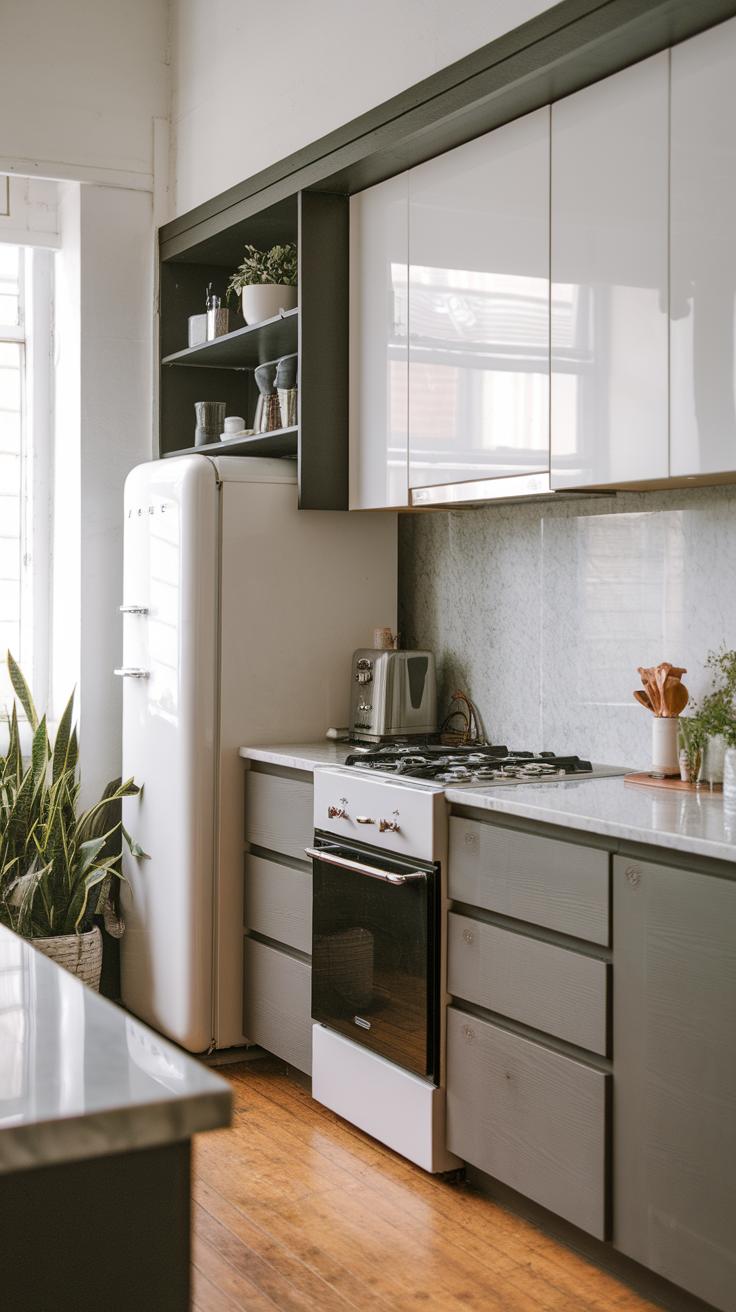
(282, 442)
(247, 347)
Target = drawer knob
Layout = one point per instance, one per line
(469, 936)
(633, 876)
(468, 1033)
(471, 841)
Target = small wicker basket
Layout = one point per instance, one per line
(81, 954)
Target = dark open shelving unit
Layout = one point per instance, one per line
(223, 369)
(281, 442)
(305, 198)
(245, 348)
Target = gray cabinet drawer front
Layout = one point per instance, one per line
(277, 1003)
(279, 813)
(542, 880)
(277, 902)
(539, 984)
(530, 1117)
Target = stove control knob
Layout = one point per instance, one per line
(338, 812)
(392, 826)
(364, 820)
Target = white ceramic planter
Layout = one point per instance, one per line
(729, 779)
(263, 300)
(665, 753)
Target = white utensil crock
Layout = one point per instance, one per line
(665, 754)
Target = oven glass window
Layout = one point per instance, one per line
(373, 961)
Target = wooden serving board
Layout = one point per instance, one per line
(678, 785)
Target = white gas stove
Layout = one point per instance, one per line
(380, 906)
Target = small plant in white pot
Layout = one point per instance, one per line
(57, 864)
(266, 282)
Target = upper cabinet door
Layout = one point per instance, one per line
(479, 308)
(703, 253)
(609, 404)
(378, 329)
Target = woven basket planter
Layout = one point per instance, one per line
(79, 953)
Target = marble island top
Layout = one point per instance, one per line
(81, 1078)
(692, 822)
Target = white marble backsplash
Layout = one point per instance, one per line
(542, 613)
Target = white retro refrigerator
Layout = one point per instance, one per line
(241, 614)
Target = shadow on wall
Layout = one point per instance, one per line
(542, 613)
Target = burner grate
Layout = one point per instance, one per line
(470, 764)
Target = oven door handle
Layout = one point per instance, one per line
(324, 854)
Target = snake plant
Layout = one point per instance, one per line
(56, 863)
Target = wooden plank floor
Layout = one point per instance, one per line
(296, 1210)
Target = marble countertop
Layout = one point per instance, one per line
(80, 1078)
(694, 822)
(301, 756)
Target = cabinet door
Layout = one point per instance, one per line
(479, 308)
(674, 1066)
(530, 1117)
(277, 1003)
(562, 886)
(703, 253)
(609, 402)
(278, 813)
(378, 328)
(552, 989)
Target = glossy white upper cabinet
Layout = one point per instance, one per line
(703, 254)
(609, 269)
(378, 358)
(479, 308)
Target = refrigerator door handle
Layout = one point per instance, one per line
(133, 610)
(129, 672)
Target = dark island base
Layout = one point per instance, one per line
(110, 1234)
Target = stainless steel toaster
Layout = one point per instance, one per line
(393, 693)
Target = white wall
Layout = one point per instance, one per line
(81, 83)
(103, 340)
(115, 435)
(31, 218)
(84, 98)
(250, 83)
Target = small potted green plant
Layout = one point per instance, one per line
(266, 282)
(57, 863)
(711, 731)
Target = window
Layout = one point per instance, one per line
(26, 404)
(13, 518)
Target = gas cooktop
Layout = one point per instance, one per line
(470, 766)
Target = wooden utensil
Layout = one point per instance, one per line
(663, 694)
(675, 697)
(660, 675)
(649, 680)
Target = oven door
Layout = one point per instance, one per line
(376, 951)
